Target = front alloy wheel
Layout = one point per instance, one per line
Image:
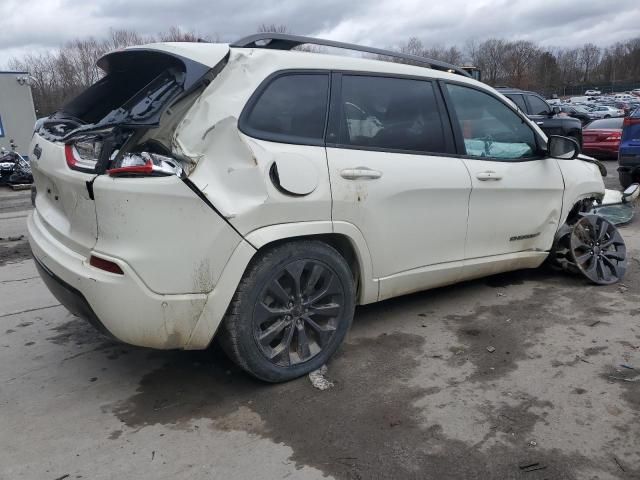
(598, 250)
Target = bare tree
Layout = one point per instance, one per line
(518, 61)
(273, 28)
(589, 58)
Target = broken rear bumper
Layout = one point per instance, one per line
(70, 298)
(121, 305)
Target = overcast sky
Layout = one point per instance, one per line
(35, 25)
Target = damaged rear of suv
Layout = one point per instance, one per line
(257, 195)
(118, 233)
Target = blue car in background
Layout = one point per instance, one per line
(629, 154)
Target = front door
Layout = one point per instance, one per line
(516, 198)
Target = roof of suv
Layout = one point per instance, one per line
(209, 53)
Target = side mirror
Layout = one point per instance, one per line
(555, 110)
(631, 193)
(563, 148)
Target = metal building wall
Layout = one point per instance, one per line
(17, 115)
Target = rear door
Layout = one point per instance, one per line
(516, 198)
(387, 146)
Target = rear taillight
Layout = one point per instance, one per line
(145, 164)
(83, 155)
(613, 136)
(105, 265)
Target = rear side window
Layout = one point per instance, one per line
(390, 114)
(489, 128)
(519, 101)
(538, 106)
(291, 109)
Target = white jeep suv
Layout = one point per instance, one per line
(258, 195)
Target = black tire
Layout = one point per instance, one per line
(263, 303)
(607, 116)
(625, 179)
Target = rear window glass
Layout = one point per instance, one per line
(391, 114)
(130, 73)
(519, 101)
(538, 106)
(292, 108)
(605, 123)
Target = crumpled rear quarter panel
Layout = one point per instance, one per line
(174, 241)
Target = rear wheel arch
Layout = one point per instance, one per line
(341, 243)
(345, 237)
(347, 240)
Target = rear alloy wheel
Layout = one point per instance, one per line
(297, 312)
(291, 311)
(598, 250)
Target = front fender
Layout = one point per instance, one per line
(581, 180)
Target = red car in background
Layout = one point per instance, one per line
(601, 138)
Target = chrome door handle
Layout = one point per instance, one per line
(489, 175)
(360, 172)
(539, 123)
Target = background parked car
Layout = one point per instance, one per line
(592, 92)
(629, 156)
(547, 118)
(605, 111)
(601, 138)
(579, 112)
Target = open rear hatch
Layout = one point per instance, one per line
(121, 125)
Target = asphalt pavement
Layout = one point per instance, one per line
(528, 375)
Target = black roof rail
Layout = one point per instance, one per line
(283, 41)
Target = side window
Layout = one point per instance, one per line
(390, 113)
(538, 106)
(292, 108)
(519, 101)
(491, 129)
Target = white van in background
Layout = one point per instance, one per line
(625, 97)
(582, 99)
